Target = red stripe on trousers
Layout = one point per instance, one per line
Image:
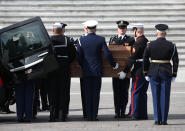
(1, 82)
(135, 85)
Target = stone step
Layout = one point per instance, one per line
(101, 2)
(92, 6)
(96, 13)
(181, 63)
(181, 49)
(180, 44)
(91, 16)
(101, 18)
(25, 15)
(103, 21)
(111, 26)
(73, 9)
(182, 56)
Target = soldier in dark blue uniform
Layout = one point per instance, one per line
(81, 81)
(120, 87)
(139, 84)
(24, 100)
(59, 80)
(89, 50)
(160, 72)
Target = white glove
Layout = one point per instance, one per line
(173, 79)
(116, 66)
(147, 78)
(122, 75)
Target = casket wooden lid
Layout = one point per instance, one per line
(120, 53)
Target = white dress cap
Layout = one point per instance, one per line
(57, 25)
(90, 23)
(138, 25)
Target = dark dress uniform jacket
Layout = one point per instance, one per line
(89, 50)
(137, 57)
(161, 49)
(64, 51)
(126, 41)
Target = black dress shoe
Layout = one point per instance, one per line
(88, 119)
(164, 123)
(64, 118)
(127, 116)
(157, 123)
(117, 115)
(27, 120)
(39, 110)
(94, 119)
(85, 117)
(45, 108)
(52, 120)
(20, 120)
(143, 118)
(134, 118)
(34, 118)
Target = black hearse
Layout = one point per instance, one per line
(23, 49)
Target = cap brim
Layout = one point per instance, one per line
(122, 26)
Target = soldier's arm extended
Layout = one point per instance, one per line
(108, 54)
(175, 60)
(111, 41)
(146, 61)
(71, 51)
(132, 59)
(80, 55)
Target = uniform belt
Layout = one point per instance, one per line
(59, 56)
(139, 60)
(160, 61)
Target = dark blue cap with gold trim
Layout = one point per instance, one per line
(161, 27)
(122, 24)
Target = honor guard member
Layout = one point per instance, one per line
(59, 80)
(81, 80)
(121, 86)
(24, 100)
(160, 72)
(139, 83)
(89, 52)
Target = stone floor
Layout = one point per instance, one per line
(106, 114)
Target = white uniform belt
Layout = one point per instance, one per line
(59, 46)
(160, 61)
(139, 60)
(59, 56)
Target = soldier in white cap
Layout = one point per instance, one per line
(89, 50)
(138, 109)
(81, 79)
(59, 80)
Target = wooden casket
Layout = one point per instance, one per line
(120, 54)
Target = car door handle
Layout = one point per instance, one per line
(42, 54)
